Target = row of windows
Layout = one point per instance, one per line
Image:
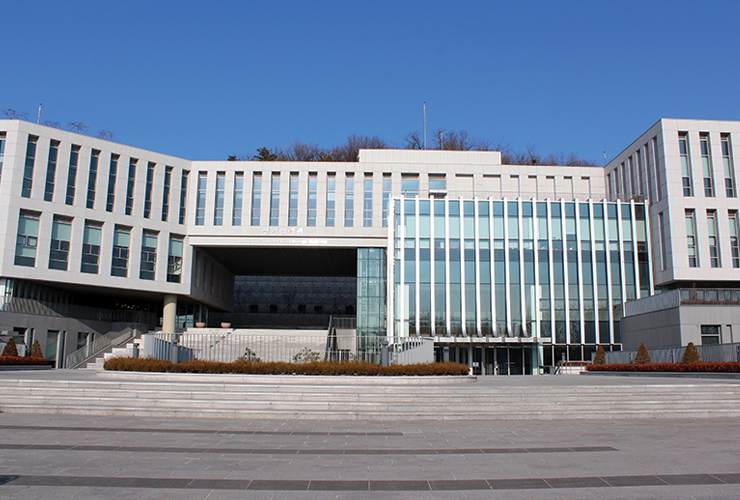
(28, 238)
(310, 217)
(713, 245)
(92, 180)
(518, 268)
(639, 175)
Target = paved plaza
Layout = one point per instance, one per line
(85, 457)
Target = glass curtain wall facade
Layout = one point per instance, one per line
(555, 272)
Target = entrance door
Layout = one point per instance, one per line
(516, 360)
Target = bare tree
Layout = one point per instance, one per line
(106, 134)
(54, 124)
(12, 114)
(350, 150)
(77, 127)
(300, 151)
(413, 140)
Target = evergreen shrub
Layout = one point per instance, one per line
(642, 357)
(10, 349)
(690, 354)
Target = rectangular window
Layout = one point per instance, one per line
(2, 151)
(236, 219)
(349, 200)
(92, 178)
(331, 182)
(410, 185)
(728, 166)
(635, 174)
(663, 243)
(121, 242)
(256, 197)
(51, 170)
(148, 256)
(437, 182)
(91, 247)
(183, 196)
(200, 199)
(691, 239)
(148, 189)
(710, 334)
(293, 200)
(706, 165)
(218, 212)
(112, 172)
(166, 193)
(61, 230)
(734, 244)
(275, 199)
(367, 202)
(683, 149)
(386, 197)
(130, 186)
(312, 197)
(28, 168)
(174, 259)
(74, 158)
(714, 257)
(658, 175)
(27, 239)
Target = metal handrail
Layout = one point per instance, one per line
(97, 346)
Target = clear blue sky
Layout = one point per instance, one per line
(203, 80)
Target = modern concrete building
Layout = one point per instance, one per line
(685, 170)
(512, 267)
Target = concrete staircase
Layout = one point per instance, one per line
(363, 398)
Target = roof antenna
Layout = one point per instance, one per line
(424, 104)
(38, 118)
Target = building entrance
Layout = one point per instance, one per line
(496, 360)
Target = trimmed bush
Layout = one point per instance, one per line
(17, 360)
(642, 356)
(244, 367)
(36, 350)
(690, 354)
(710, 367)
(599, 356)
(10, 349)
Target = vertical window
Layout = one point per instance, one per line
(51, 170)
(218, 212)
(734, 244)
(710, 334)
(74, 158)
(635, 174)
(410, 185)
(148, 189)
(130, 186)
(293, 200)
(183, 197)
(200, 199)
(312, 197)
(331, 182)
(367, 202)
(148, 256)
(683, 149)
(658, 177)
(27, 239)
(166, 193)
(2, 151)
(386, 197)
(349, 200)
(691, 239)
(714, 257)
(91, 248)
(121, 242)
(28, 168)
(663, 243)
(706, 165)
(174, 259)
(236, 219)
(92, 178)
(729, 168)
(112, 172)
(61, 230)
(256, 197)
(275, 199)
